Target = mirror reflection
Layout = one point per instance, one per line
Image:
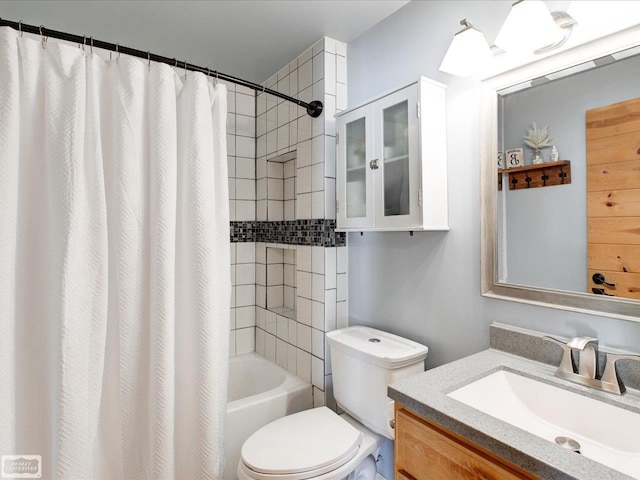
(569, 208)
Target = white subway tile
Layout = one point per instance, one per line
(303, 310)
(330, 262)
(245, 210)
(232, 319)
(231, 145)
(305, 76)
(245, 105)
(245, 295)
(260, 252)
(318, 398)
(261, 167)
(289, 210)
(232, 188)
(270, 322)
(341, 48)
(232, 253)
(342, 314)
(317, 149)
(261, 211)
(275, 210)
(318, 47)
(317, 287)
(305, 56)
(282, 328)
(245, 341)
(275, 296)
(330, 311)
(342, 287)
(341, 97)
(245, 147)
(303, 206)
(317, 343)
(317, 259)
(342, 256)
(303, 258)
(317, 315)
(330, 198)
(330, 73)
(290, 188)
(245, 252)
(270, 347)
(275, 170)
(260, 341)
(282, 354)
(329, 45)
(289, 169)
(245, 274)
(293, 82)
(304, 284)
(245, 317)
(304, 154)
(329, 112)
(272, 119)
(293, 132)
(317, 205)
(261, 189)
(261, 296)
(245, 189)
(318, 68)
(303, 337)
(303, 365)
(245, 168)
(317, 372)
(275, 189)
(291, 358)
(304, 130)
(245, 126)
(261, 104)
(303, 180)
(260, 317)
(317, 177)
(283, 137)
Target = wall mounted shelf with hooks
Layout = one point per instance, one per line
(532, 176)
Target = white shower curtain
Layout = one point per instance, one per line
(114, 264)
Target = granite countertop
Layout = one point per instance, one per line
(426, 394)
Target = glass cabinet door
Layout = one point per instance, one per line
(396, 140)
(395, 158)
(355, 183)
(356, 146)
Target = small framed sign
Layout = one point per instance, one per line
(514, 158)
(501, 164)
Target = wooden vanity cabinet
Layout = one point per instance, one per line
(425, 450)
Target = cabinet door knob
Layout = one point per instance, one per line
(373, 164)
(599, 279)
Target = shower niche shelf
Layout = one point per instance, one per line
(281, 281)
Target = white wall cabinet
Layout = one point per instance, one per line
(392, 161)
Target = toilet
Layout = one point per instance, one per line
(322, 445)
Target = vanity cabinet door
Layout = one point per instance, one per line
(425, 450)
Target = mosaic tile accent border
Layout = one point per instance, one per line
(316, 232)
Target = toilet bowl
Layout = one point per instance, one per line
(315, 444)
(319, 444)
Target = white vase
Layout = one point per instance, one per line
(537, 159)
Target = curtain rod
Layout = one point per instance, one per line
(314, 109)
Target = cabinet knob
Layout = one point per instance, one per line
(373, 164)
(599, 279)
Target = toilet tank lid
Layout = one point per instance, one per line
(377, 347)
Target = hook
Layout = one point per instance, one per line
(44, 39)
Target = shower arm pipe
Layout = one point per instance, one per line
(314, 109)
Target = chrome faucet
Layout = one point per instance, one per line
(587, 371)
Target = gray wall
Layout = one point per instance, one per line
(547, 227)
(427, 287)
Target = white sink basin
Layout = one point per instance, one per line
(606, 433)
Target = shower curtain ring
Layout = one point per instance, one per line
(91, 47)
(84, 41)
(118, 57)
(44, 39)
(20, 28)
(149, 60)
(185, 70)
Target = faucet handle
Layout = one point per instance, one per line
(610, 375)
(566, 364)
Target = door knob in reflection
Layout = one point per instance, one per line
(599, 279)
(600, 291)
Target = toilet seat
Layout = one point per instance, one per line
(300, 446)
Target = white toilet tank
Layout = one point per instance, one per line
(364, 361)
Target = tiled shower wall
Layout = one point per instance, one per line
(241, 134)
(282, 177)
(296, 181)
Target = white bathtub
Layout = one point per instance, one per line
(259, 392)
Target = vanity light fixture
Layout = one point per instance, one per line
(468, 51)
(529, 28)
